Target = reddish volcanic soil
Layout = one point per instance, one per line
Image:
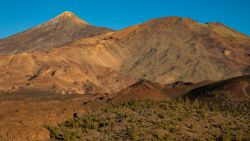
(23, 116)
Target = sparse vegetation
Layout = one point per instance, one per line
(149, 120)
(225, 101)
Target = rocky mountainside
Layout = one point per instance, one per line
(68, 55)
(62, 73)
(173, 49)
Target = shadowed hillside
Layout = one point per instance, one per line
(230, 95)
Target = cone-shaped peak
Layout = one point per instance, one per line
(68, 16)
(68, 13)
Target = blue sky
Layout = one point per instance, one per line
(19, 15)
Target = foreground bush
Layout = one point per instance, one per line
(148, 120)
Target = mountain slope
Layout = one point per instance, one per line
(62, 73)
(60, 30)
(172, 49)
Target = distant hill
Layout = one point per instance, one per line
(142, 90)
(170, 49)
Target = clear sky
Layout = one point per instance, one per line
(19, 15)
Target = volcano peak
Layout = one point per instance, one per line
(70, 16)
(67, 14)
